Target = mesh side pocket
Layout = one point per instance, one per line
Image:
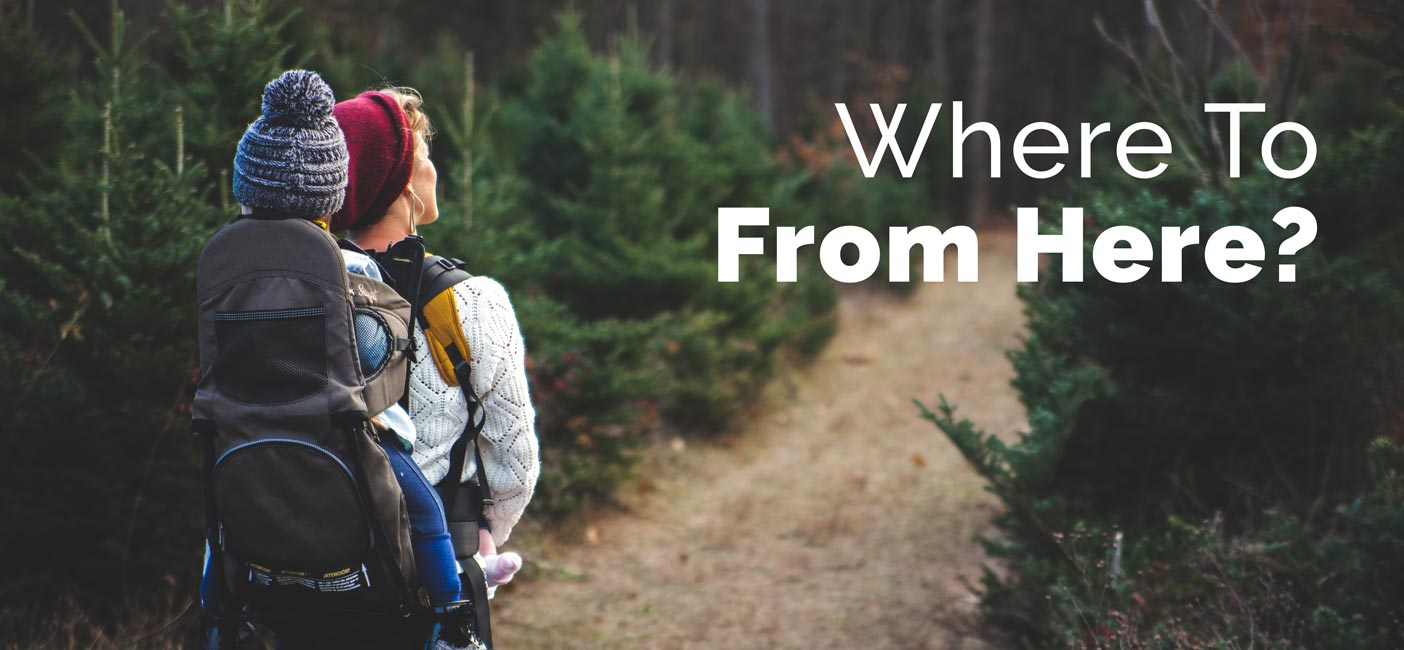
(271, 356)
(373, 345)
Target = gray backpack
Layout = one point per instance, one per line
(303, 511)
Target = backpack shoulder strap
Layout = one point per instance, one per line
(440, 274)
(438, 316)
(448, 346)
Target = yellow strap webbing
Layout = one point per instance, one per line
(443, 328)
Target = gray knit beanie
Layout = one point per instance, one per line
(293, 158)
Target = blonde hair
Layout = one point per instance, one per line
(412, 103)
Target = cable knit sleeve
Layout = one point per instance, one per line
(509, 445)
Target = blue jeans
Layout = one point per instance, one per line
(433, 546)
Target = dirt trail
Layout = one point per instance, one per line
(834, 518)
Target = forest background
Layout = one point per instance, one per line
(1247, 435)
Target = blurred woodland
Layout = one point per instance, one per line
(1212, 443)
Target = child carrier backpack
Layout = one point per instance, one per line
(427, 282)
(303, 511)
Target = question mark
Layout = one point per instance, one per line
(1306, 233)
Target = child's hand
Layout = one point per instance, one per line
(500, 569)
(486, 546)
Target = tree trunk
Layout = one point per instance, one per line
(840, 43)
(758, 72)
(979, 109)
(940, 66)
(892, 39)
(663, 46)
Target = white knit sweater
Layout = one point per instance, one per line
(440, 412)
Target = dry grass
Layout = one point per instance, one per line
(160, 626)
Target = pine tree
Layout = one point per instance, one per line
(1208, 427)
(35, 76)
(221, 62)
(608, 243)
(98, 347)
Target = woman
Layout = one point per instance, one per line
(391, 191)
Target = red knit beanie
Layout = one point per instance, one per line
(381, 148)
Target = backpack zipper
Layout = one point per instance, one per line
(270, 314)
(288, 441)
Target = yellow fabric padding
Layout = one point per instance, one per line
(442, 329)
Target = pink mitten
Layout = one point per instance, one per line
(499, 569)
